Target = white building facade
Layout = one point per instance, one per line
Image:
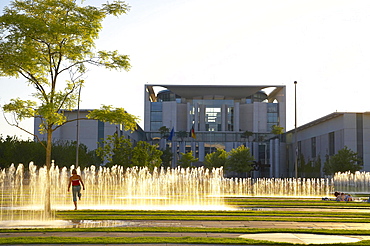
(329, 134)
(219, 116)
(88, 132)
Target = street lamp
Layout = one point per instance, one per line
(78, 126)
(295, 131)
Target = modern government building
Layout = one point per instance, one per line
(220, 116)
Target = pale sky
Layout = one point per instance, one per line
(324, 45)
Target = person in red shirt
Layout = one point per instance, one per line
(76, 182)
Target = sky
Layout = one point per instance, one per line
(324, 45)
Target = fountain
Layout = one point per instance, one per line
(357, 183)
(23, 191)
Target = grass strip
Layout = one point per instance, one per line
(152, 240)
(217, 213)
(192, 230)
(214, 218)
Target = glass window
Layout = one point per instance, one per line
(156, 106)
(331, 143)
(313, 147)
(154, 126)
(155, 116)
(213, 108)
(272, 108)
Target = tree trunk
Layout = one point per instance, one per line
(47, 208)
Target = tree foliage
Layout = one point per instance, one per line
(50, 43)
(240, 160)
(164, 131)
(166, 157)
(146, 155)
(277, 130)
(309, 169)
(15, 151)
(182, 135)
(186, 159)
(115, 150)
(216, 159)
(345, 160)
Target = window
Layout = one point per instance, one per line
(272, 115)
(155, 116)
(313, 147)
(331, 143)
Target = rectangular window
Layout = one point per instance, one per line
(155, 116)
(331, 143)
(313, 147)
(100, 133)
(156, 106)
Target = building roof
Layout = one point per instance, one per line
(323, 119)
(225, 91)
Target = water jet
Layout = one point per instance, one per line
(23, 191)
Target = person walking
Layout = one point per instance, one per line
(76, 182)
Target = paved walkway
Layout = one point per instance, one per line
(301, 238)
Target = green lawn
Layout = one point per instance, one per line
(261, 209)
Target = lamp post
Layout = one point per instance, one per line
(295, 131)
(78, 126)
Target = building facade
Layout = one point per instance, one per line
(326, 136)
(88, 132)
(219, 117)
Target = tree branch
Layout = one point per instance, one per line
(21, 128)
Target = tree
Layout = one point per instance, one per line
(277, 130)
(164, 131)
(247, 135)
(216, 159)
(345, 160)
(240, 160)
(116, 150)
(186, 159)
(182, 135)
(48, 41)
(146, 155)
(166, 157)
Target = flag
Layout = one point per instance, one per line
(192, 133)
(171, 134)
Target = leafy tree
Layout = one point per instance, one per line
(64, 154)
(166, 157)
(277, 130)
(309, 169)
(216, 159)
(247, 135)
(164, 131)
(116, 150)
(13, 150)
(345, 160)
(182, 135)
(47, 41)
(186, 159)
(240, 160)
(146, 155)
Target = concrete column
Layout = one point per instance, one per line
(236, 117)
(202, 117)
(201, 151)
(223, 117)
(277, 158)
(196, 117)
